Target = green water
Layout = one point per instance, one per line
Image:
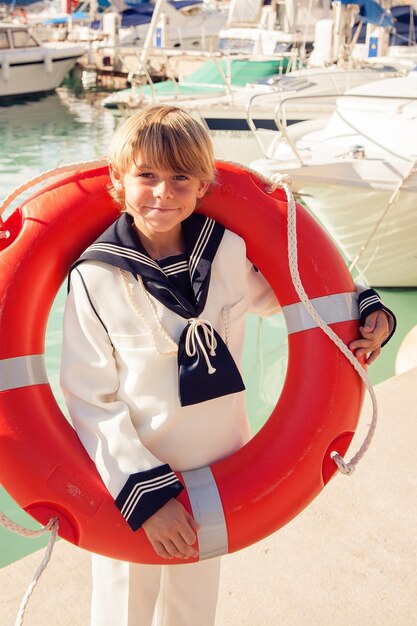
(62, 129)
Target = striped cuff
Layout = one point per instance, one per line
(369, 301)
(145, 493)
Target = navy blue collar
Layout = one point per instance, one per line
(120, 245)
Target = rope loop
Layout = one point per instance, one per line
(279, 180)
(344, 468)
(284, 181)
(192, 338)
(52, 526)
(48, 174)
(8, 524)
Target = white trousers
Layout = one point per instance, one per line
(130, 594)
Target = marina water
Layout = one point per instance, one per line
(64, 128)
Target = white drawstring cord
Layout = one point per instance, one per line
(192, 338)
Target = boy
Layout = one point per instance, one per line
(153, 338)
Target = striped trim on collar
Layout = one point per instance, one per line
(200, 245)
(120, 246)
(122, 251)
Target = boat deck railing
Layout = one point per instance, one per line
(280, 117)
(137, 64)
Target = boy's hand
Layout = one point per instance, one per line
(374, 333)
(172, 531)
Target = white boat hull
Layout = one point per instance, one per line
(354, 202)
(357, 172)
(379, 239)
(31, 72)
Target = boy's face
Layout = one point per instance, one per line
(158, 200)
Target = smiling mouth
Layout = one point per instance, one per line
(161, 208)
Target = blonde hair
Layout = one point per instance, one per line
(168, 138)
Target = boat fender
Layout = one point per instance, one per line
(5, 68)
(48, 61)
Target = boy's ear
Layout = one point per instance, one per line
(202, 188)
(116, 177)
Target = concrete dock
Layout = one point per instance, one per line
(349, 559)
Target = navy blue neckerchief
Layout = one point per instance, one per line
(120, 246)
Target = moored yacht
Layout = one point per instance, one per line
(357, 172)
(28, 66)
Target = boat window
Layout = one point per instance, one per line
(195, 9)
(4, 41)
(294, 83)
(23, 39)
(244, 46)
(281, 47)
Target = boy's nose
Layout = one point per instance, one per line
(163, 189)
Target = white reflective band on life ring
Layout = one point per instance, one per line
(339, 307)
(208, 512)
(22, 371)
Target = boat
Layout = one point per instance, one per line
(397, 43)
(271, 28)
(356, 171)
(185, 24)
(188, 24)
(231, 107)
(332, 67)
(219, 78)
(262, 36)
(28, 66)
(242, 26)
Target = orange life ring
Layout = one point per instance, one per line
(250, 494)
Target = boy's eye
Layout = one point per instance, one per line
(181, 177)
(145, 175)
